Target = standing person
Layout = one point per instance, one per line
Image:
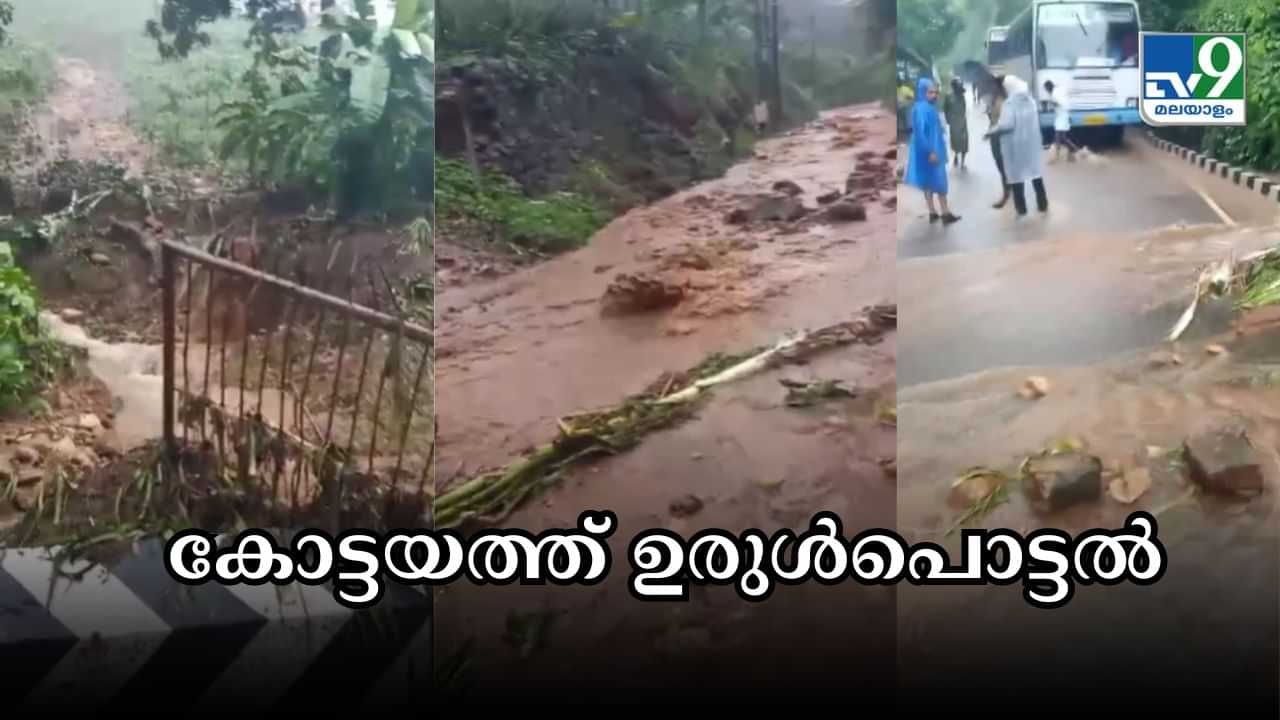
(1019, 133)
(927, 159)
(905, 98)
(1061, 121)
(957, 120)
(995, 101)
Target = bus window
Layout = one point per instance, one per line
(1086, 34)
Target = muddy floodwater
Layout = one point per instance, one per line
(518, 352)
(1089, 319)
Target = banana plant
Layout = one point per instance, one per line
(362, 121)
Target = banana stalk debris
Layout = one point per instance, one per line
(1256, 275)
(492, 496)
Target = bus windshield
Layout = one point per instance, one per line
(1086, 34)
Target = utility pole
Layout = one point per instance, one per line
(776, 64)
(762, 85)
(813, 50)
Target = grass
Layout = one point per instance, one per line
(553, 223)
(985, 504)
(1262, 284)
(26, 75)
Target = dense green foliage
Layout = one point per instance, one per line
(6, 17)
(929, 27)
(26, 352)
(555, 223)
(345, 112)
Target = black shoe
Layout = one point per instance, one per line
(949, 218)
(933, 217)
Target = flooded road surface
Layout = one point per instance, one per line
(1085, 297)
(1216, 605)
(1077, 299)
(518, 353)
(1119, 191)
(1107, 270)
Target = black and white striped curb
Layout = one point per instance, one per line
(1240, 176)
(123, 634)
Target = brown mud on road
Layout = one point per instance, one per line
(519, 352)
(1133, 411)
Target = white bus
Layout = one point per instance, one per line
(1087, 47)
(996, 48)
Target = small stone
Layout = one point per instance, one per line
(601, 269)
(1035, 387)
(696, 456)
(1224, 461)
(89, 421)
(828, 198)
(685, 506)
(1215, 349)
(975, 485)
(108, 445)
(1130, 485)
(100, 258)
(770, 483)
(71, 314)
(847, 211)
(1059, 481)
(24, 454)
(29, 475)
(787, 187)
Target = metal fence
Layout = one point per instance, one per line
(287, 405)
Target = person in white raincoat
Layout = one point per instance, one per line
(1020, 148)
(1061, 121)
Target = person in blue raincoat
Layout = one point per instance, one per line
(927, 159)
(1020, 145)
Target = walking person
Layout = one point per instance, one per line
(995, 100)
(1019, 133)
(1061, 121)
(927, 159)
(957, 121)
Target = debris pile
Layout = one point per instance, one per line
(640, 293)
(672, 399)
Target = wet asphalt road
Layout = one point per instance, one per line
(1065, 288)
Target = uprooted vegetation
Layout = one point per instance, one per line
(567, 113)
(304, 416)
(670, 400)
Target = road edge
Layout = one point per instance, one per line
(83, 633)
(1237, 175)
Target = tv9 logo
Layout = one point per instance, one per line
(1192, 79)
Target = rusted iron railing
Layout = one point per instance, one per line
(291, 433)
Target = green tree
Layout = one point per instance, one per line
(352, 117)
(928, 27)
(6, 17)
